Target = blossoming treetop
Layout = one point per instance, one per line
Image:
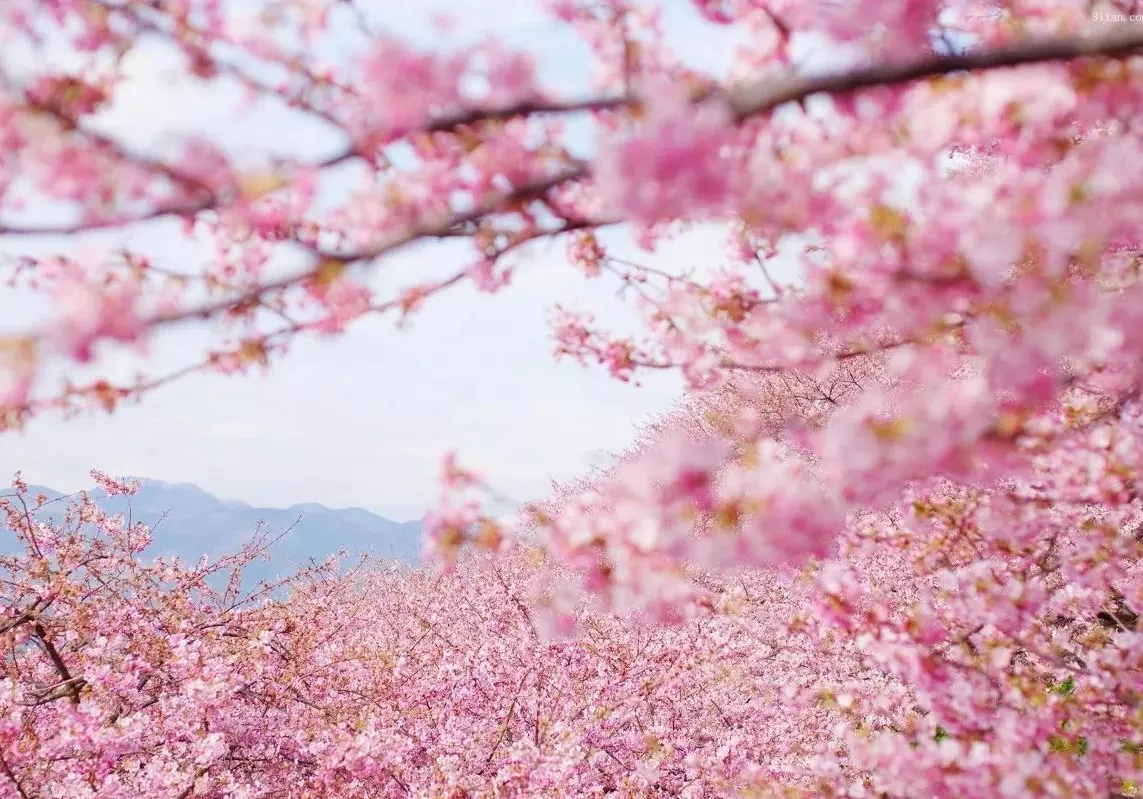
(944, 408)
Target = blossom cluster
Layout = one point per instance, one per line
(916, 463)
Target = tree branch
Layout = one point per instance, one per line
(746, 101)
(72, 684)
(11, 775)
(756, 98)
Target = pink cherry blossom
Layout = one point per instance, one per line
(886, 544)
(88, 314)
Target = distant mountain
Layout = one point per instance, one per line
(189, 522)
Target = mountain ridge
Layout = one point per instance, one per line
(187, 521)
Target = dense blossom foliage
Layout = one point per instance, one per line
(894, 529)
(127, 676)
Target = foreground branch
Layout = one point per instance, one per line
(746, 101)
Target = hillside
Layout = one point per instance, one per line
(190, 522)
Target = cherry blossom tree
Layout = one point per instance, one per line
(938, 420)
(124, 677)
(979, 639)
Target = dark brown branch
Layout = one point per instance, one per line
(746, 101)
(199, 773)
(70, 683)
(508, 719)
(7, 769)
(763, 96)
(20, 620)
(750, 99)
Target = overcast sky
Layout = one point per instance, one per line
(363, 419)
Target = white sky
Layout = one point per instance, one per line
(363, 419)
